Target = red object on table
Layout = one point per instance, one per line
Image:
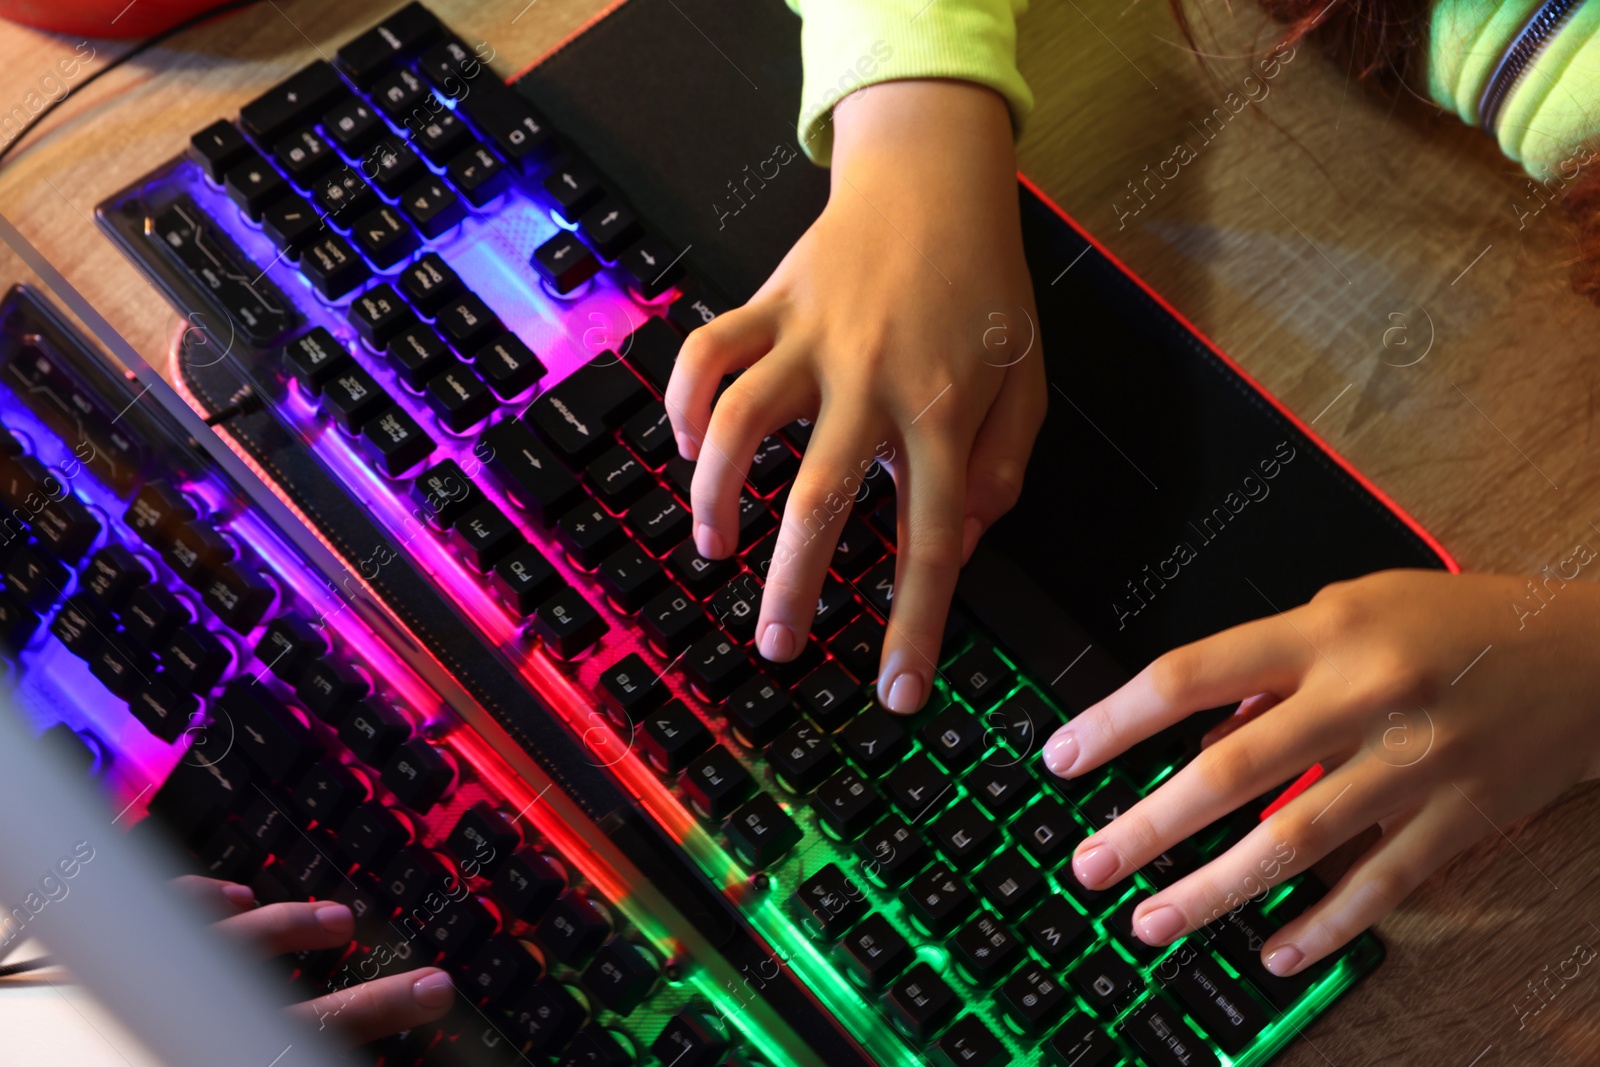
(103, 18)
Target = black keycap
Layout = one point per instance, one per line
(1081, 1043)
(1239, 936)
(399, 94)
(479, 175)
(394, 442)
(1034, 999)
(773, 464)
(717, 664)
(1108, 802)
(452, 67)
(529, 883)
(891, 852)
(919, 788)
(575, 415)
(1001, 785)
(414, 873)
(630, 577)
(979, 676)
(1047, 832)
(659, 521)
(122, 667)
(391, 166)
(759, 710)
(969, 1043)
(691, 1039)
(564, 262)
(372, 730)
(633, 688)
(574, 187)
(1231, 1015)
(198, 794)
(228, 855)
(609, 227)
(939, 900)
(238, 596)
(441, 139)
(111, 576)
(65, 528)
(829, 903)
(964, 833)
(467, 323)
(342, 196)
(514, 129)
(761, 832)
(484, 536)
(151, 616)
(194, 658)
(874, 952)
(650, 267)
(418, 355)
(829, 696)
(1057, 931)
(353, 126)
(459, 930)
(419, 774)
(166, 712)
(459, 398)
(1106, 980)
(330, 690)
(858, 549)
(384, 237)
(524, 579)
(428, 283)
(442, 493)
(574, 928)
(327, 791)
(158, 511)
(253, 184)
(544, 1019)
(529, 472)
(920, 1003)
(508, 365)
(699, 575)
(1023, 722)
(653, 350)
(1173, 864)
(756, 520)
(371, 835)
(986, 950)
(716, 783)
(673, 736)
(303, 155)
(404, 33)
(695, 308)
(1164, 1038)
(649, 435)
(351, 397)
(802, 756)
(290, 223)
(621, 976)
(680, 477)
(80, 625)
(847, 804)
(672, 620)
(836, 606)
(379, 314)
(266, 732)
(617, 478)
(1010, 883)
(736, 606)
(332, 266)
(432, 206)
(307, 94)
(217, 148)
(313, 358)
(196, 551)
(305, 865)
(567, 624)
(501, 969)
(589, 534)
(484, 837)
(877, 585)
(954, 737)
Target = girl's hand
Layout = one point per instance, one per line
(902, 322)
(1384, 680)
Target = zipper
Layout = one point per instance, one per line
(1538, 32)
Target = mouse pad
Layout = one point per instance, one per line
(1167, 497)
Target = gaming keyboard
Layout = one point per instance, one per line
(441, 336)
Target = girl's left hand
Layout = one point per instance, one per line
(1384, 680)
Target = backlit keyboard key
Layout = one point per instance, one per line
(524, 579)
(291, 223)
(650, 266)
(517, 132)
(568, 624)
(307, 94)
(761, 832)
(589, 534)
(875, 952)
(404, 33)
(467, 323)
(432, 206)
(399, 94)
(253, 184)
(659, 521)
(332, 266)
(478, 175)
(921, 1002)
(383, 237)
(672, 736)
(418, 354)
(303, 155)
(574, 928)
(459, 398)
(969, 1043)
(574, 187)
(419, 774)
(444, 492)
(716, 783)
(217, 148)
(394, 442)
(508, 365)
(351, 397)
(609, 227)
(529, 884)
(630, 577)
(565, 262)
(353, 126)
(484, 536)
(378, 314)
(529, 471)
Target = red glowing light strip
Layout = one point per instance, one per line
(1438, 549)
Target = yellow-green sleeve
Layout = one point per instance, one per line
(848, 44)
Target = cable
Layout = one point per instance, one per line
(138, 49)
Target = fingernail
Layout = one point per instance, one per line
(905, 694)
(1284, 961)
(240, 896)
(1096, 866)
(335, 918)
(1061, 753)
(433, 990)
(971, 530)
(707, 541)
(1160, 925)
(777, 642)
(687, 447)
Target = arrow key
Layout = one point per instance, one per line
(564, 263)
(651, 267)
(609, 227)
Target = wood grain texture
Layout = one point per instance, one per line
(1297, 232)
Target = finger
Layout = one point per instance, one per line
(1249, 708)
(1220, 779)
(384, 1006)
(224, 898)
(728, 342)
(765, 397)
(1327, 815)
(1000, 454)
(1264, 655)
(293, 926)
(932, 494)
(819, 503)
(1374, 886)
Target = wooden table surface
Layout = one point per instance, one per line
(1363, 257)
